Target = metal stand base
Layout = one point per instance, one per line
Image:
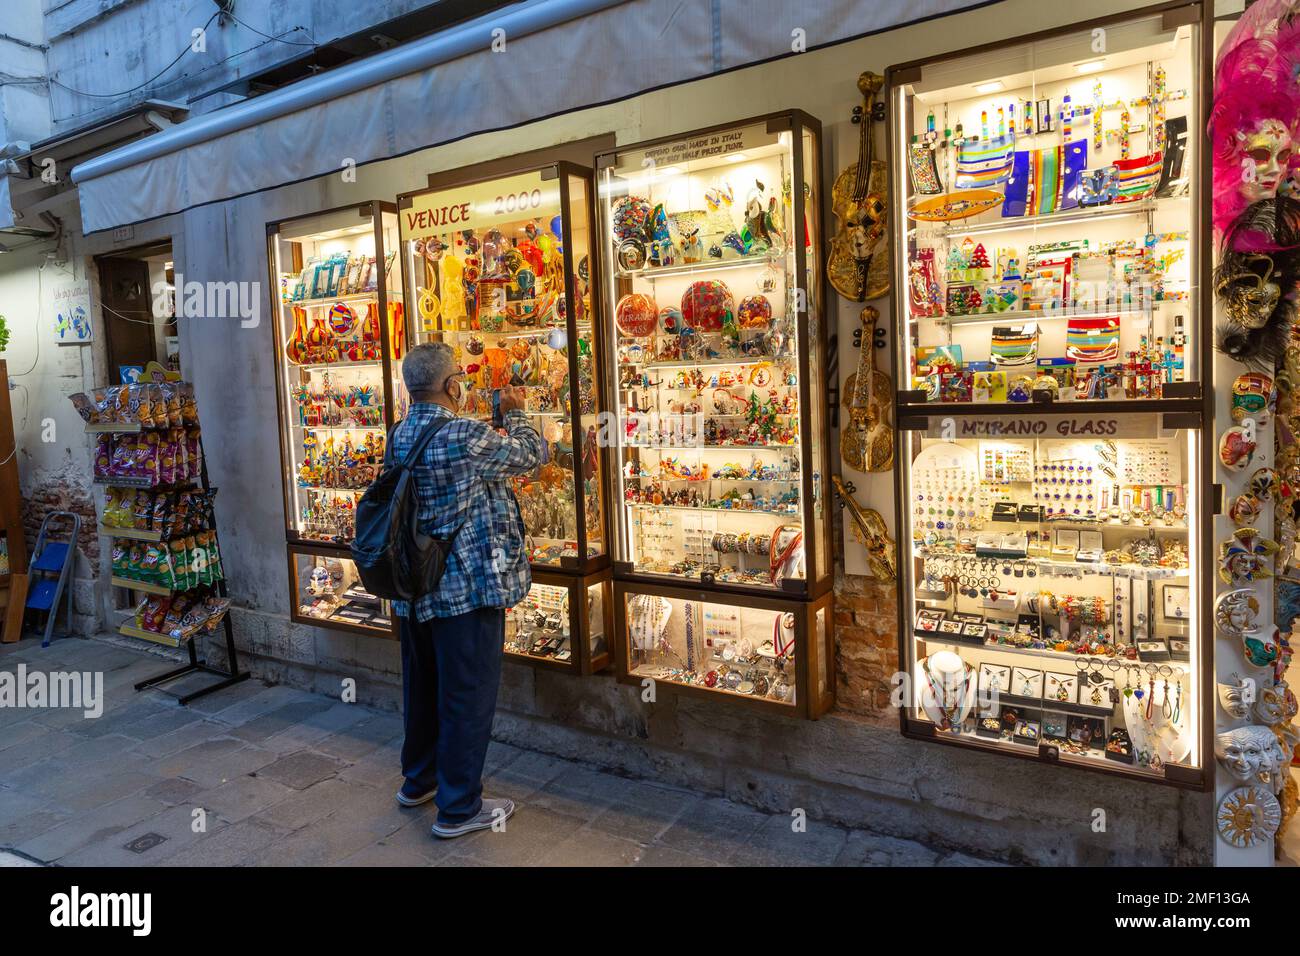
(231, 677)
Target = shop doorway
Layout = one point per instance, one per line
(138, 303)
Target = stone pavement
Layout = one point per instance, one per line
(277, 776)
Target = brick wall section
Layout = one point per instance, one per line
(56, 494)
(866, 647)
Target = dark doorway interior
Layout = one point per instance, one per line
(138, 310)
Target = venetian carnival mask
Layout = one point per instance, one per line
(1235, 698)
(1249, 296)
(1271, 706)
(1246, 752)
(1265, 156)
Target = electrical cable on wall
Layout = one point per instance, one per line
(279, 38)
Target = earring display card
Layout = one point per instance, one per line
(1149, 462)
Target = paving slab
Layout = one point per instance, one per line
(234, 845)
(302, 769)
(777, 842)
(242, 797)
(83, 829)
(712, 828)
(304, 807)
(175, 827)
(528, 837)
(362, 738)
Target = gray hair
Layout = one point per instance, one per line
(427, 367)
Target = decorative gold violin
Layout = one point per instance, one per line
(869, 528)
(858, 265)
(867, 434)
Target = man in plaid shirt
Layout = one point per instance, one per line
(452, 639)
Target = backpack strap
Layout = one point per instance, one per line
(421, 442)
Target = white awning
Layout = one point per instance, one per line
(558, 56)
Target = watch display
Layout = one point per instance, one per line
(722, 650)
(563, 623)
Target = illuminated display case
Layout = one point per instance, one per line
(339, 330)
(501, 269)
(717, 343)
(1053, 568)
(759, 652)
(564, 623)
(1050, 208)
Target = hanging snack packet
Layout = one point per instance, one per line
(172, 397)
(178, 565)
(151, 568)
(103, 456)
(142, 511)
(167, 456)
(85, 406)
(112, 502)
(189, 408)
(135, 558)
(194, 449)
(154, 613)
(120, 554)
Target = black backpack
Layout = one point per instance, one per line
(396, 560)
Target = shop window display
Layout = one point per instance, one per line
(711, 248)
(340, 327)
(758, 651)
(564, 622)
(1052, 561)
(711, 242)
(1052, 590)
(1048, 217)
(501, 269)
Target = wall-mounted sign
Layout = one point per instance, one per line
(479, 206)
(1045, 426)
(70, 308)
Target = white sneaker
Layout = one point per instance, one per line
(489, 813)
(409, 800)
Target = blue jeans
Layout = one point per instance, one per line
(451, 668)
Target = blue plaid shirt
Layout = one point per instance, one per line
(465, 476)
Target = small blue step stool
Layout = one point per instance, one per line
(51, 570)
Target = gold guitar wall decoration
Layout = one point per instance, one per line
(869, 528)
(858, 264)
(867, 432)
